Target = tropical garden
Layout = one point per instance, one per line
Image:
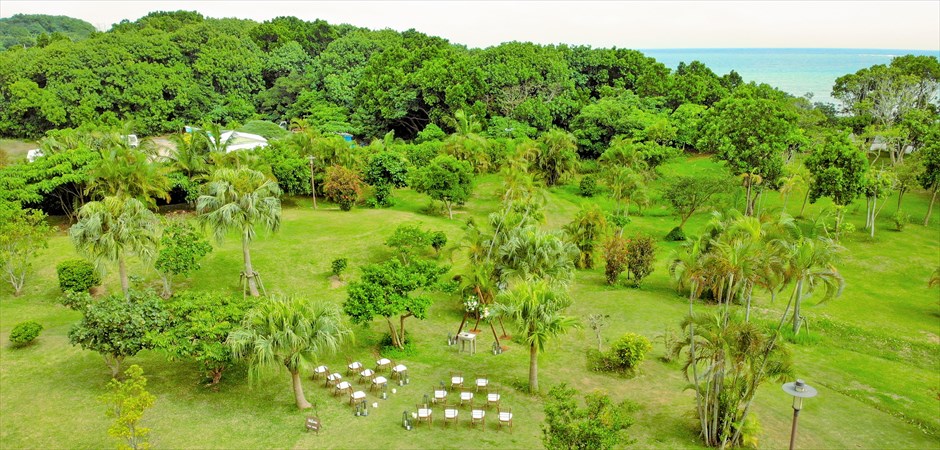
(655, 251)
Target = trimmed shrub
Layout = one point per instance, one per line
(343, 186)
(588, 186)
(641, 253)
(624, 356)
(438, 240)
(24, 333)
(676, 234)
(77, 275)
(338, 266)
(901, 220)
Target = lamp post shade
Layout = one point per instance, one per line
(799, 390)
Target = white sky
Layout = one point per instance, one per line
(629, 24)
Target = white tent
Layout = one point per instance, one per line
(242, 141)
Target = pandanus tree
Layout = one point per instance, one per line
(114, 228)
(288, 331)
(240, 199)
(535, 308)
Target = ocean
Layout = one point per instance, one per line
(793, 70)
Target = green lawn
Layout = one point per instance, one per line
(875, 364)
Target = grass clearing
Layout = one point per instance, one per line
(875, 363)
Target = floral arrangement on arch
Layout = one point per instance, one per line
(473, 306)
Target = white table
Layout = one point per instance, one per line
(466, 337)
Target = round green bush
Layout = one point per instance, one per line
(24, 333)
(676, 234)
(588, 186)
(77, 275)
(628, 352)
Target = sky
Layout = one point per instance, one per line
(911, 25)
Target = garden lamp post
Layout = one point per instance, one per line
(313, 183)
(799, 390)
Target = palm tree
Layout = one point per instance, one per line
(796, 182)
(811, 262)
(292, 331)
(734, 358)
(556, 156)
(624, 184)
(189, 155)
(466, 144)
(126, 172)
(240, 199)
(585, 230)
(622, 153)
(535, 309)
(113, 228)
(211, 137)
(527, 253)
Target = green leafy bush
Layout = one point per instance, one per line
(624, 356)
(641, 253)
(588, 186)
(77, 275)
(343, 186)
(901, 220)
(676, 234)
(438, 240)
(382, 194)
(75, 300)
(338, 266)
(24, 333)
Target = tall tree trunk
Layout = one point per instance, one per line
(900, 196)
(167, 285)
(805, 199)
(249, 271)
(747, 199)
(122, 271)
(299, 397)
(747, 311)
(874, 208)
(401, 329)
(450, 210)
(698, 395)
(867, 212)
(533, 368)
(114, 363)
(796, 307)
(394, 334)
(930, 207)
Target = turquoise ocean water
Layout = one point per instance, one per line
(796, 71)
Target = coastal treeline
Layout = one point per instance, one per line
(170, 69)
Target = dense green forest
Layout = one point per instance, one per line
(170, 69)
(28, 30)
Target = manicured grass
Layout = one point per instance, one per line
(875, 363)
